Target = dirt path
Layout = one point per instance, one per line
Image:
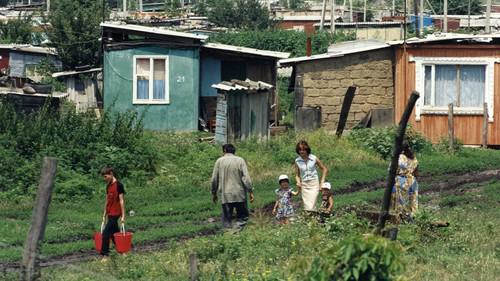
(430, 183)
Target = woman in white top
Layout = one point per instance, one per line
(306, 175)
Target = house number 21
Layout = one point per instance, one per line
(181, 79)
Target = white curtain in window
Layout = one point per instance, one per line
(428, 85)
(446, 84)
(472, 83)
(159, 79)
(142, 73)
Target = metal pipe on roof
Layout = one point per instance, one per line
(445, 13)
(332, 17)
(487, 27)
(421, 23)
(323, 10)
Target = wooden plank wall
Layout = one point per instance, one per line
(467, 128)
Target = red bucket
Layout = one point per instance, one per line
(98, 241)
(98, 238)
(123, 240)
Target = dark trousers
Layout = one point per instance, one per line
(107, 234)
(241, 213)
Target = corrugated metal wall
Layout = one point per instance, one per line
(181, 114)
(18, 61)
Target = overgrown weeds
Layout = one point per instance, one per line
(82, 143)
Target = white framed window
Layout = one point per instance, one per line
(150, 85)
(465, 82)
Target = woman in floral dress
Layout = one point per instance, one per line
(404, 200)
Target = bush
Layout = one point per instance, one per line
(358, 258)
(381, 140)
(81, 142)
(444, 145)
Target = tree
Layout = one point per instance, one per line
(244, 14)
(172, 7)
(74, 31)
(458, 7)
(18, 30)
(200, 8)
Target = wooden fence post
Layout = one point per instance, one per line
(451, 132)
(398, 141)
(485, 125)
(346, 106)
(193, 267)
(29, 266)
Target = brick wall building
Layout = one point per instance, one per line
(324, 82)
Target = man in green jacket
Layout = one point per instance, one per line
(231, 180)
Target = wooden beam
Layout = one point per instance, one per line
(193, 267)
(29, 265)
(451, 132)
(485, 125)
(398, 141)
(344, 112)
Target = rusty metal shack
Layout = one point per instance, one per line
(242, 110)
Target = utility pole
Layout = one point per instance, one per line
(364, 12)
(445, 16)
(332, 17)
(393, 8)
(140, 6)
(343, 10)
(468, 16)
(124, 6)
(350, 10)
(487, 27)
(323, 10)
(415, 17)
(48, 6)
(422, 18)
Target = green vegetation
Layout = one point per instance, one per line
(81, 142)
(167, 175)
(19, 31)
(74, 30)
(240, 14)
(290, 41)
(306, 250)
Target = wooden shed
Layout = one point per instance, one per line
(82, 87)
(242, 110)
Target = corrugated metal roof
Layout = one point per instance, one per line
(339, 50)
(29, 49)
(245, 50)
(358, 46)
(364, 23)
(238, 85)
(73, 72)
(155, 30)
(436, 37)
(230, 48)
(8, 91)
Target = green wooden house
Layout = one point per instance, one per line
(167, 75)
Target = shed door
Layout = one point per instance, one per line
(233, 70)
